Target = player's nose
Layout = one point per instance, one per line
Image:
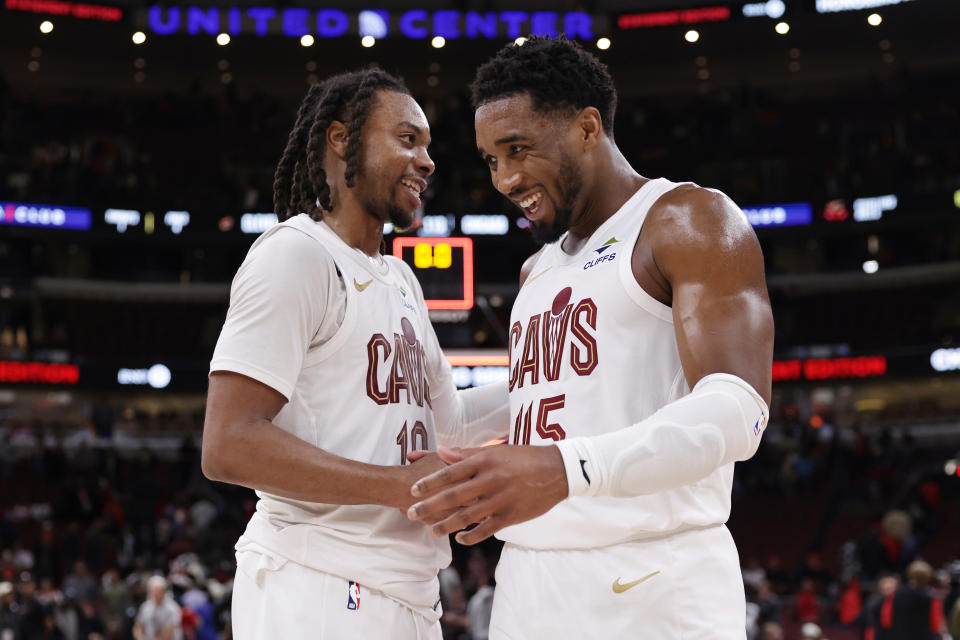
(424, 162)
(507, 182)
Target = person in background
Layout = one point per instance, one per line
(159, 616)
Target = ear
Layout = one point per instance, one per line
(337, 137)
(589, 126)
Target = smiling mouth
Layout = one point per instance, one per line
(412, 186)
(531, 204)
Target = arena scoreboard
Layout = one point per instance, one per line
(444, 267)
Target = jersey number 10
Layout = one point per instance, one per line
(418, 432)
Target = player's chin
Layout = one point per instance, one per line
(401, 217)
(546, 231)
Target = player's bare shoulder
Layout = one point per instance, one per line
(528, 265)
(692, 226)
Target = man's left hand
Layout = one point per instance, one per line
(492, 487)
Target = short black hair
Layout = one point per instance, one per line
(557, 74)
(300, 181)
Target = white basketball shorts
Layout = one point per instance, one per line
(277, 599)
(684, 586)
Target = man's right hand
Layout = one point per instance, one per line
(421, 464)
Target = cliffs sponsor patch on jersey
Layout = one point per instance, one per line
(562, 336)
(602, 256)
(397, 366)
(403, 299)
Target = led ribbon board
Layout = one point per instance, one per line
(780, 215)
(71, 9)
(444, 267)
(45, 215)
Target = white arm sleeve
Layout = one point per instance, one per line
(719, 422)
(471, 417)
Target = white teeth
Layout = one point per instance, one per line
(529, 201)
(410, 184)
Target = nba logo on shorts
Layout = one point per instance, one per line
(760, 424)
(353, 596)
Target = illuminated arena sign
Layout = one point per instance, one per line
(71, 9)
(333, 23)
(667, 18)
(158, 376)
(831, 6)
(780, 215)
(869, 209)
(945, 360)
(830, 368)
(45, 215)
(38, 373)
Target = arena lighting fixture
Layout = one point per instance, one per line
(46, 26)
(139, 37)
(691, 36)
(871, 266)
(306, 40)
(603, 44)
(874, 19)
(783, 28)
(368, 41)
(223, 39)
(438, 42)
(519, 41)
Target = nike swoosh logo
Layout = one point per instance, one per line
(361, 287)
(620, 588)
(532, 278)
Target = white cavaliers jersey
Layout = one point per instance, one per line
(363, 394)
(591, 352)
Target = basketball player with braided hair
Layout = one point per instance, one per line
(327, 373)
(641, 346)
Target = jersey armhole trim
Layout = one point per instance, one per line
(322, 352)
(629, 282)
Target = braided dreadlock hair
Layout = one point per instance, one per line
(557, 74)
(300, 181)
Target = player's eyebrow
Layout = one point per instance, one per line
(507, 139)
(420, 131)
(513, 137)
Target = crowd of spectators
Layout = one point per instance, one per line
(89, 528)
(214, 153)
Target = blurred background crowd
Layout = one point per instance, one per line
(848, 518)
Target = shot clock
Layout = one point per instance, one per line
(444, 267)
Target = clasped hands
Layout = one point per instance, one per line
(490, 487)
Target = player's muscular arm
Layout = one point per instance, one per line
(710, 259)
(242, 446)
